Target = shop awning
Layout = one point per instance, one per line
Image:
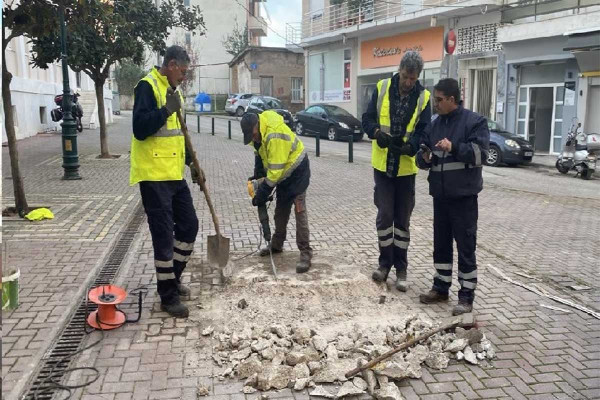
(585, 46)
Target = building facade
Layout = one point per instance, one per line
(270, 71)
(33, 90)
(511, 58)
(210, 60)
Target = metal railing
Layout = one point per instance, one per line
(336, 17)
(293, 33)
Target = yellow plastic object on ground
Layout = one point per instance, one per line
(39, 214)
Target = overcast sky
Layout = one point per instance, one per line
(281, 12)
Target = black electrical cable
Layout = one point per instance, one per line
(54, 385)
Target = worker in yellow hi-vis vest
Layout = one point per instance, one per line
(396, 117)
(158, 160)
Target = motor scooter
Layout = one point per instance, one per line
(580, 152)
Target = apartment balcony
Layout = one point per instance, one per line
(257, 25)
(321, 26)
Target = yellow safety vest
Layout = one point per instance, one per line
(379, 156)
(281, 151)
(160, 157)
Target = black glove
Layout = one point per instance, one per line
(383, 139)
(251, 178)
(173, 101)
(262, 194)
(197, 176)
(401, 149)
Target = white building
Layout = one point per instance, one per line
(208, 54)
(33, 92)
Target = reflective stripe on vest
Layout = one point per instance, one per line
(378, 155)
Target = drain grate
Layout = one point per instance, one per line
(73, 334)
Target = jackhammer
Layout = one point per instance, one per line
(263, 217)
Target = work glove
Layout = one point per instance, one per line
(197, 176)
(173, 101)
(262, 194)
(401, 149)
(383, 139)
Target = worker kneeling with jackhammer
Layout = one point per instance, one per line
(280, 161)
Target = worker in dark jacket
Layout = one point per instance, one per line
(158, 159)
(454, 146)
(280, 162)
(396, 117)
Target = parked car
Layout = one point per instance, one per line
(236, 103)
(259, 104)
(328, 121)
(506, 147)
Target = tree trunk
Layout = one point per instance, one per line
(104, 153)
(9, 125)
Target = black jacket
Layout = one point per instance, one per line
(289, 188)
(458, 173)
(370, 119)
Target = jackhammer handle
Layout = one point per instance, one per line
(190, 149)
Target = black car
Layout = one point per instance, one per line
(328, 121)
(506, 147)
(258, 104)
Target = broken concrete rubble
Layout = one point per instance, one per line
(320, 391)
(348, 389)
(281, 356)
(388, 392)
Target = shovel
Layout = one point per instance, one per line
(217, 250)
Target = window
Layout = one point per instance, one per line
(317, 110)
(326, 77)
(43, 117)
(14, 115)
(266, 85)
(347, 72)
(188, 39)
(186, 3)
(78, 79)
(316, 8)
(273, 103)
(297, 96)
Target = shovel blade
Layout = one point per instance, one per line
(218, 251)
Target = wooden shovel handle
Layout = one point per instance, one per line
(401, 347)
(190, 149)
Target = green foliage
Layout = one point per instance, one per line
(127, 75)
(101, 33)
(237, 41)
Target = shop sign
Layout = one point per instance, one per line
(388, 51)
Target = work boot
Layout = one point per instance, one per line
(401, 284)
(265, 251)
(462, 307)
(183, 290)
(303, 264)
(433, 296)
(177, 310)
(381, 274)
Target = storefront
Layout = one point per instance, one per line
(380, 58)
(542, 87)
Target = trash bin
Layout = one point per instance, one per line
(203, 102)
(10, 290)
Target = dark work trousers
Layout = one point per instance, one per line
(455, 218)
(173, 225)
(283, 208)
(395, 200)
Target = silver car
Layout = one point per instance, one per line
(236, 104)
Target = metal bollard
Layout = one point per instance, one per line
(213, 126)
(318, 144)
(351, 149)
(229, 129)
(198, 123)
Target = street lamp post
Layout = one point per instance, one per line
(69, 133)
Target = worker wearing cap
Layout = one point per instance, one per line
(158, 160)
(281, 160)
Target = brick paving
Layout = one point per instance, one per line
(547, 234)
